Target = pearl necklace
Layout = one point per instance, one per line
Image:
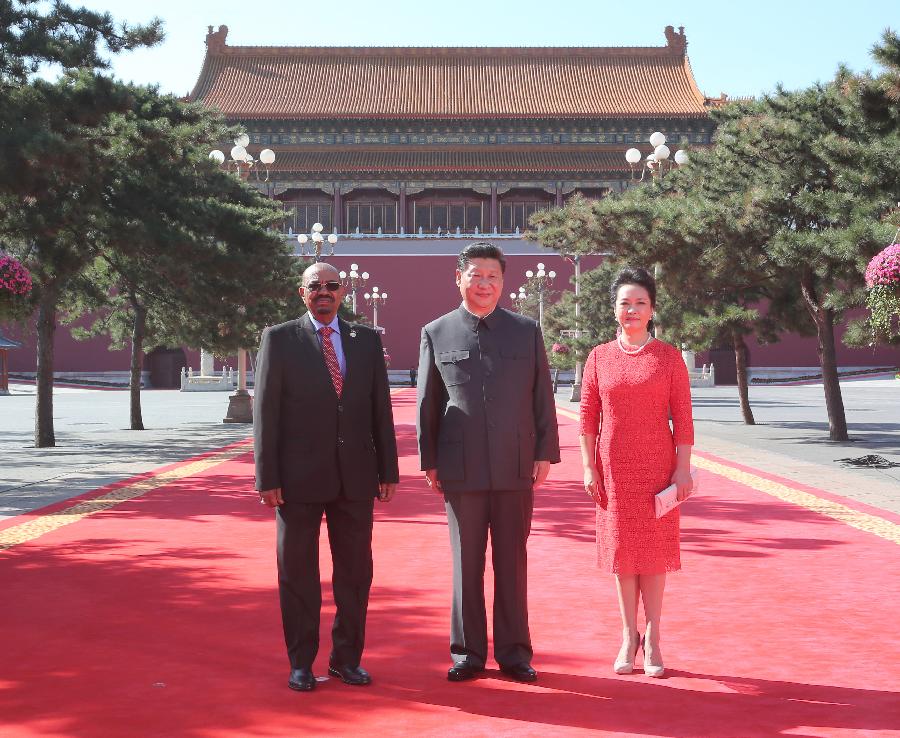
(632, 352)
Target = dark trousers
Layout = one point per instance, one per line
(299, 587)
(507, 517)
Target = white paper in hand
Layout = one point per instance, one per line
(668, 499)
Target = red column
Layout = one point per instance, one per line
(494, 219)
(401, 215)
(338, 216)
(559, 195)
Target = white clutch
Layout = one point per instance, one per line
(668, 499)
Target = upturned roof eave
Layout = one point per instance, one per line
(279, 115)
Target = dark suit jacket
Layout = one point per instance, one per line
(486, 407)
(306, 440)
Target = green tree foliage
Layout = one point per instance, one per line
(598, 324)
(32, 34)
(809, 156)
(47, 156)
(879, 100)
(183, 253)
(783, 211)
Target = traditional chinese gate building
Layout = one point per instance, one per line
(430, 140)
(410, 153)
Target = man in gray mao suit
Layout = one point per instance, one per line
(487, 436)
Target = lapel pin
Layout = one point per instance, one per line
(352, 334)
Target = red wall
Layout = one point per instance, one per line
(421, 288)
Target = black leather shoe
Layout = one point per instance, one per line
(463, 672)
(521, 672)
(354, 675)
(302, 680)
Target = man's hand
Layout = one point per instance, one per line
(271, 497)
(386, 491)
(540, 472)
(432, 481)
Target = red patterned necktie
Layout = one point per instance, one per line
(331, 359)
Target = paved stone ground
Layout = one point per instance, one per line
(95, 448)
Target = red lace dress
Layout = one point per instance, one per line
(631, 397)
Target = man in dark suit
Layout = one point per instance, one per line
(487, 436)
(324, 443)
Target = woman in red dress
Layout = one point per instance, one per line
(630, 389)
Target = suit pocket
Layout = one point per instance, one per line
(526, 454)
(452, 365)
(451, 463)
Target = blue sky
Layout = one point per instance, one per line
(742, 48)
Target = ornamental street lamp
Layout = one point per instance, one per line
(240, 405)
(375, 298)
(240, 156)
(518, 299)
(655, 162)
(318, 241)
(357, 280)
(540, 280)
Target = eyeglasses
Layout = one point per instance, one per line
(332, 286)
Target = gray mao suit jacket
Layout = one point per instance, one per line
(486, 410)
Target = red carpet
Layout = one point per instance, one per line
(159, 617)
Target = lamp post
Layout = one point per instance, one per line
(240, 156)
(576, 383)
(540, 280)
(655, 163)
(318, 241)
(518, 299)
(240, 404)
(357, 280)
(375, 298)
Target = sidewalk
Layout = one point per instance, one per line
(93, 446)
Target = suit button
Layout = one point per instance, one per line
(340, 441)
(340, 408)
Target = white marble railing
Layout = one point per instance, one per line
(224, 382)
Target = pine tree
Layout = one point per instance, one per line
(46, 163)
(807, 153)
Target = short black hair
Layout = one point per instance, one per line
(480, 250)
(637, 276)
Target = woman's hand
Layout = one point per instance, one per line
(593, 485)
(682, 480)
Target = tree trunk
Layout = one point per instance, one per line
(740, 361)
(44, 436)
(824, 320)
(137, 351)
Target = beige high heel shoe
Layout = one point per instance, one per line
(627, 666)
(651, 670)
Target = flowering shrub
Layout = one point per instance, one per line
(883, 281)
(15, 286)
(560, 348)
